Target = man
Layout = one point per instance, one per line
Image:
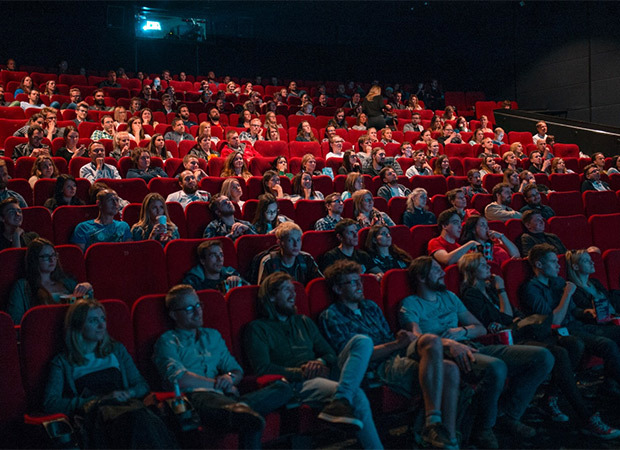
(283, 342)
(35, 119)
(292, 89)
(487, 148)
(178, 133)
(499, 209)
(34, 100)
(541, 127)
(189, 190)
(346, 232)
(446, 248)
(255, 133)
(147, 92)
(288, 257)
(51, 129)
(532, 197)
(544, 149)
(108, 132)
(408, 364)
(377, 161)
(111, 81)
(449, 136)
(434, 309)
(214, 119)
(598, 159)
(99, 102)
(456, 198)
(420, 165)
(75, 97)
(233, 144)
(81, 114)
(536, 163)
(354, 102)
(33, 147)
(3, 101)
(334, 206)
(323, 100)
(391, 188)
(135, 105)
(184, 114)
(104, 228)
(406, 150)
(210, 272)
(197, 360)
(11, 65)
(475, 184)
(534, 223)
(4, 191)
(498, 138)
(592, 180)
(415, 124)
(220, 105)
(165, 75)
(167, 104)
(225, 222)
(97, 168)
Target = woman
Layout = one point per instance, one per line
(339, 119)
(485, 296)
(266, 218)
(512, 178)
(442, 166)
(477, 137)
(350, 163)
(304, 133)
(141, 168)
(335, 147)
(71, 148)
(50, 88)
(25, 85)
(511, 161)
(386, 136)
(244, 119)
(372, 106)
(361, 123)
(271, 184)
(353, 183)
(484, 124)
(235, 166)
(154, 222)
(231, 188)
(157, 147)
(121, 146)
(65, 191)
(202, 149)
(306, 109)
(384, 254)
(461, 125)
(517, 149)
(280, 165)
(147, 117)
(96, 378)
(413, 104)
(488, 165)
(425, 137)
(12, 235)
(448, 113)
(43, 167)
(271, 120)
(272, 133)
(417, 212)
(436, 124)
(304, 189)
(365, 213)
(432, 149)
(136, 132)
(45, 282)
(494, 245)
(559, 166)
(308, 164)
(120, 116)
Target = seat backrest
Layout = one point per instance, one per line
(307, 212)
(434, 184)
(299, 149)
(248, 246)
(612, 266)
(65, 219)
(394, 287)
(600, 202)
(133, 189)
(126, 270)
(197, 217)
(516, 272)
(420, 235)
(396, 208)
(163, 186)
(11, 387)
(604, 229)
(272, 149)
(318, 242)
(22, 187)
(39, 220)
(13, 268)
(566, 203)
(480, 201)
(573, 231)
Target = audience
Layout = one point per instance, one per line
(364, 210)
(141, 166)
(266, 218)
(383, 252)
(493, 245)
(303, 188)
(499, 209)
(12, 235)
(97, 169)
(232, 189)
(65, 191)
(43, 167)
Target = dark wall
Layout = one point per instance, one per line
(546, 55)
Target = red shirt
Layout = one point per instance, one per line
(439, 243)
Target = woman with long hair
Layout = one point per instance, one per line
(461, 125)
(350, 163)
(353, 183)
(425, 137)
(271, 184)
(558, 165)
(305, 133)
(65, 191)
(50, 88)
(272, 133)
(271, 119)
(232, 189)
(372, 106)
(71, 148)
(43, 167)
(365, 213)
(122, 146)
(154, 222)
(45, 282)
(495, 246)
(339, 120)
(383, 252)
(304, 189)
(442, 166)
(308, 164)
(25, 86)
(235, 166)
(488, 165)
(517, 149)
(136, 132)
(477, 137)
(266, 218)
(280, 165)
(147, 117)
(512, 178)
(244, 119)
(141, 166)
(449, 114)
(157, 147)
(361, 123)
(436, 124)
(120, 116)
(413, 104)
(96, 378)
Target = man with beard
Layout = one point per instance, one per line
(214, 119)
(233, 144)
(499, 209)
(4, 191)
(189, 190)
(97, 168)
(178, 133)
(99, 102)
(210, 272)
(184, 115)
(34, 146)
(110, 81)
(225, 222)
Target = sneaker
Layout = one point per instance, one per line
(485, 439)
(596, 427)
(516, 428)
(437, 436)
(551, 408)
(340, 412)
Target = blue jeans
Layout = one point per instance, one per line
(353, 361)
(527, 366)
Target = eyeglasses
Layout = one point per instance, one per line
(190, 308)
(48, 258)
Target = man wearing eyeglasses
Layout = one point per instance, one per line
(334, 206)
(197, 359)
(254, 134)
(81, 113)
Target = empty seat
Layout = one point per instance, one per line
(11, 387)
(600, 202)
(480, 201)
(434, 184)
(396, 208)
(133, 189)
(197, 216)
(566, 203)
(516, 272)
(272, 149)
(307, 212)
(394, 287)
(299, 149)
(39, 220)
(612, 266)
(420, 235)
(564, 182)
(573, 231)
(605, 228)
(248, 246)
(318, 242)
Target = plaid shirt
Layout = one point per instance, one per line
(100, 134)
(339, 324)
(218, 228)
(327, 223)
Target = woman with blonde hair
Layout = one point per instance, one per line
(120, 116)
(365, 213)
(517, 149)
(122, 145)
(232, 189)
(43, 167)
(558, 165)
(372, 106)
(154, 222)
(417, 212)
(235, 166)
(272, 133)
(271, 119)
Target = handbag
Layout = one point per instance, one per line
(536, 327)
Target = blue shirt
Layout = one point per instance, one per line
(91, 232)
